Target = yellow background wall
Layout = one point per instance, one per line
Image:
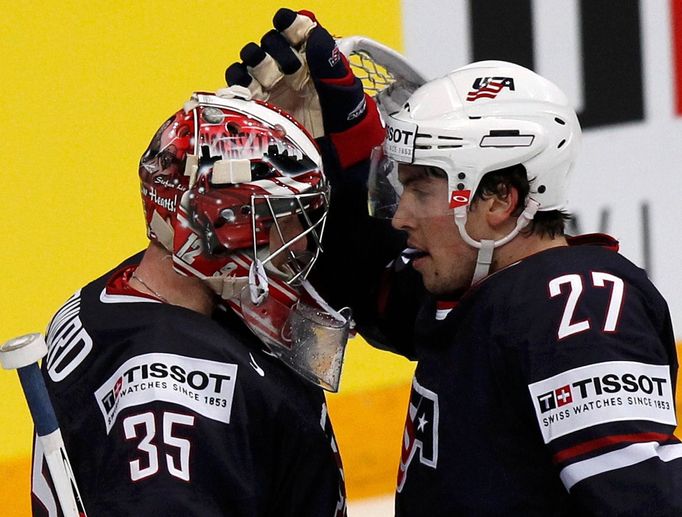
(84, 86)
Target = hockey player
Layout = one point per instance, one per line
(187, 380)
(546, 372)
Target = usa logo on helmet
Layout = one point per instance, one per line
(489, 87)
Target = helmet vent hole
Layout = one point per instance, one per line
(448, 142)
(473, 118)
(561, 144)
(233, 128)
(261, 170)
(542, 189)
(461, 175)
(559, 121)
(460, 186)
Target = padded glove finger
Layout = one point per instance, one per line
(342, 98)
(238, 75)
(291, 63)
(298, 28)
(276, 73)
(350, 117)
(294, 26)
(273, 43)
(261, 66)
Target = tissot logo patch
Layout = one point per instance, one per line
(599, 393)
(206, 387)
(400, 139)
(555, 398)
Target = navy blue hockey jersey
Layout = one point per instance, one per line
(165, 411)
(548, 390)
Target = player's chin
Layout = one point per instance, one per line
(439, 284)
(432, 285)
(429, 276)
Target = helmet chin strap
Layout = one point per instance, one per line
(227, 287)
(486, 247)
(258, 282)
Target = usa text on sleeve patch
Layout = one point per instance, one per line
(604, 392)
(206, 387)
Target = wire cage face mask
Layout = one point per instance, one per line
(296, 223)
(279, 305)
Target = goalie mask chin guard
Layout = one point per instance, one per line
(301, 330)
(477, 119)
(233, 188)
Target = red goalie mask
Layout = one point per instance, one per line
(234, 189)
(220, 173)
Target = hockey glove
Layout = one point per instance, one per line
(299, 68)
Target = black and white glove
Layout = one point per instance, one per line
(299, 68)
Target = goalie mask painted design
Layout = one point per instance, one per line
(480, 118)
(233, 188)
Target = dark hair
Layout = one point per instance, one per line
(498, 183)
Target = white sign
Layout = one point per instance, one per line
(400, 140)
(206, 387)
(600, 393)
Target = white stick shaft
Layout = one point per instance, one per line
(60, 470)
(21, 354)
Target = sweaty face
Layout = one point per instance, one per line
(445, 261)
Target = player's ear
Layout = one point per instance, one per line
(502, 206)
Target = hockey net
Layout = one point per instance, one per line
(385, 74)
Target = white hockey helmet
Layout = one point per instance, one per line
(484, 117)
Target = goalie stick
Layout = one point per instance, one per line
(22, 354)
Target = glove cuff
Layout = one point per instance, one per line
(356, 143)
